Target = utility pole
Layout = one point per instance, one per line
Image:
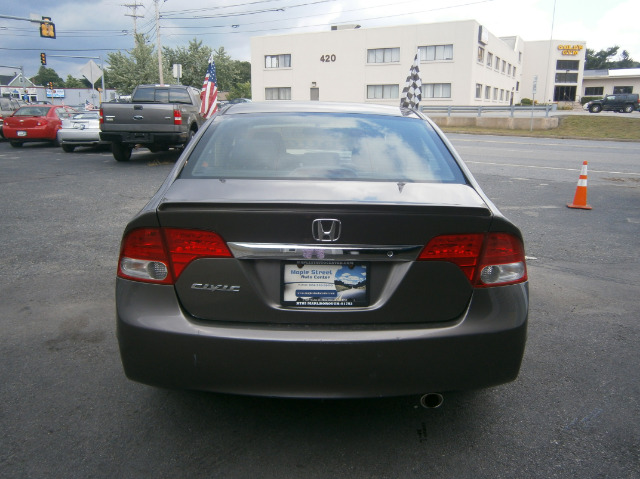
(134, 14)
(158, 42)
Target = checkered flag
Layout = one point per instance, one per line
(412, 91)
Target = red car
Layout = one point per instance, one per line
(35, 123)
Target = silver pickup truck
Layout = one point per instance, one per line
(158, 117)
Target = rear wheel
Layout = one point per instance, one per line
(15, 144)
(628, 108)
(192, 133)
(121, 152)
(68, 148)
(595, 108)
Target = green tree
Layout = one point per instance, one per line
(138, 66)
(46, 75)
(227, 70)
(244, 70)
(240, 90)
(72, 82)
(604, 59)
(194, 60)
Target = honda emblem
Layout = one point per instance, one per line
(326, 229)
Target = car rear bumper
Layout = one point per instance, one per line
(152, 138)
(162, 346)
(44, 133)
(79, 137)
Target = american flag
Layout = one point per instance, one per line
(209, 93)
(412, 91)
(88, 105)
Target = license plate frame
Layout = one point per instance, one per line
(325, 284)
(21, 133)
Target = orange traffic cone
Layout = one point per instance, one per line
(580, 198)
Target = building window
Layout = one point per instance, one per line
(495, 93)
(514, 72)
(519, 57)
(509, 70)
(567, 65)
(481, 54)
(504, 66)
(566, 78)
(489, 59)
(277, 61)
(436, 52)
(501, 94)
(497, 63)
(436, 90)
(383, 55)
(281, 93)
(517, 86)
(382, 92)
(487, 93)
(594, 90)
(478, 90)
(622, 89)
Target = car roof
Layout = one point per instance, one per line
(316, 107)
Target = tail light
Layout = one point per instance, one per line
(101, 116)
(492, 259)
(159, 255)
(177, 117)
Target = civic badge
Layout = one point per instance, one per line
(326, 229)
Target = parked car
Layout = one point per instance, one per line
(7, 107)
(321, 250)
(35, 123)
(239, 100)
(82, 129)
(159, 117)
(622, 102)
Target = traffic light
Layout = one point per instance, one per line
(43, 58)
(50, 85)
(47, 29)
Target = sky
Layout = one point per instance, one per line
(95, 28)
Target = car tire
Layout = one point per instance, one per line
(121, 152)
(628, 109)
(68, 148)
(15, 144)
(192, 133)
(595, 108)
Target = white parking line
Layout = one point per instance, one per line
(533, 144)
(553, 168)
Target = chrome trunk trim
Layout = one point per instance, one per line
(312, 252)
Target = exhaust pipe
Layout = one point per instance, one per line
(431, 400)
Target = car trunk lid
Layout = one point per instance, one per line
(382, 228)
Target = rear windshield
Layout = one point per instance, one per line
(322, 146)
(32, 111)
(153, 94)
(86, 116)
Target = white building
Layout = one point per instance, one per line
(461, 63)
(558, 67)
(608, 82)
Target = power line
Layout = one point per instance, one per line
(239, 14)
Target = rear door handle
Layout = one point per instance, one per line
(138, 117)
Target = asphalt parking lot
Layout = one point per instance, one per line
(67, 410)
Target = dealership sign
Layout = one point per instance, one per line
(55, 93)
(570, 49)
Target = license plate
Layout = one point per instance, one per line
(322, 284)
(22, 133)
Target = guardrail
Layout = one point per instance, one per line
(479, 110)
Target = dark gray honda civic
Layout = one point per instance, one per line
(321, 250)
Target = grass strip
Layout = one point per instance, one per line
(591, 127)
